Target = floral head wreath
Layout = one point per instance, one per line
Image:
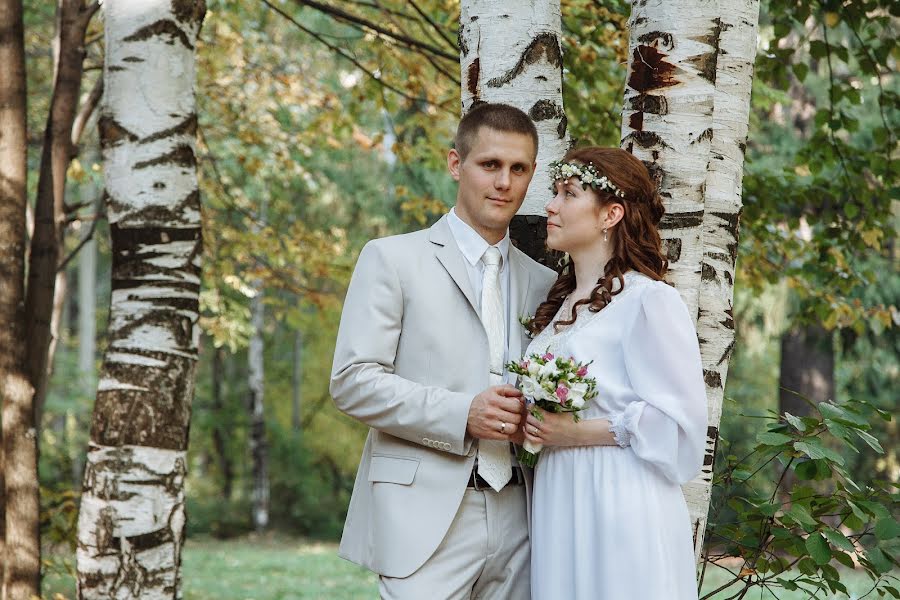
(586, 174)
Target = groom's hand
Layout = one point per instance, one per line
(493, 407)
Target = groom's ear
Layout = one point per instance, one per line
(453, 163)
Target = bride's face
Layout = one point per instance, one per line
(574, 218)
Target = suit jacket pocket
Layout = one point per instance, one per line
(393, 469)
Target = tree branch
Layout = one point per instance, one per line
(87, 109)
(360, 22)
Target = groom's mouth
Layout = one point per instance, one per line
(498, 200)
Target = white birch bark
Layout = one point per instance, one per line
(685, 115)
(738, 23)
(256, 385)
(667, 120)
(512, 53)
(131, 522)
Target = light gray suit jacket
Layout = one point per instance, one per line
(410, 356)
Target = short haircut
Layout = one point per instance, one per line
(499, 117)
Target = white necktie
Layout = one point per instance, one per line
(493, 455)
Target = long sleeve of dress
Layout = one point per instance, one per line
(667, 426)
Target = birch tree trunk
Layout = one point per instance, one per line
(19, 541)
(131, 522)
(737, 30)
(258, 443)
(259, 450)
(685, 115)
(513, 54)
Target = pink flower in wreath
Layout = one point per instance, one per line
(547, 356)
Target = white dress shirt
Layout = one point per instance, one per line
(473, 246)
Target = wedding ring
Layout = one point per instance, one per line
(502, 427)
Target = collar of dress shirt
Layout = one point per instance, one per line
(471, 244)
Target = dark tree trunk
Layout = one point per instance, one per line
(19, 539)
(807, 369)
(218, 375)
(49, 215)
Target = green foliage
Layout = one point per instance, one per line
(824, 518)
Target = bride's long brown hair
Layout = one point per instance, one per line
(635, 239)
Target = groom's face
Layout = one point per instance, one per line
(493, 179)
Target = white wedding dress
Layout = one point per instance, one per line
(610, 522)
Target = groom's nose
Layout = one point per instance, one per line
(501, 181)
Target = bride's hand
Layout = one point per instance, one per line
(557, 429)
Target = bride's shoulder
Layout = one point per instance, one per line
(646, 289)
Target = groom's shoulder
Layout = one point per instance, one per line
(544, 274)
(397, 248)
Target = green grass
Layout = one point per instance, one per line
(278, 568)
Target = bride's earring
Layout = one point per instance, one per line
(606, 234)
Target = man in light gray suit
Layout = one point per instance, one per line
(440, 504)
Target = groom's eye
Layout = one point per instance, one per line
(490, 164)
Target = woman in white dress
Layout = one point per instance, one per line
(609, 521)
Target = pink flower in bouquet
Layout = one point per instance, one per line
(582, 371)
(547, 356)
(524, 365)
(562, 392)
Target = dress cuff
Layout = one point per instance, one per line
(617, 428)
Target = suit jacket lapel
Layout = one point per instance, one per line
(448, 254)
(519, 279)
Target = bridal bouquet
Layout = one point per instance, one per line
(555, 385)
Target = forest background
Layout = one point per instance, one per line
(316, 134)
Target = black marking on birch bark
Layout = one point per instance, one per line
(646, 139)
(545, 109)
(743, 147)
(728, 321)
(636, 121)
(648, 103)
(133, 59)
(685, 220)
(731, 220)
(114, 68)
(187, 127)
(461, 41)
(657, 39)
(712, 433)
(639, 21)
(728, 350)
(150, 215)
(707, 272)
(563, 125)
(712, 378)
(157, 417)
(112, 132)
(474, 71)
(732, 251)
(650, 70)
(717, 256)
(544, 44)
(706, 135)
(541, 77)
(189, 12)
(715, 34)
(729, 278)
(130, 238)
(705, 64)
(182, 155)
(159, 28)
(672, 248)
(528, 233)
